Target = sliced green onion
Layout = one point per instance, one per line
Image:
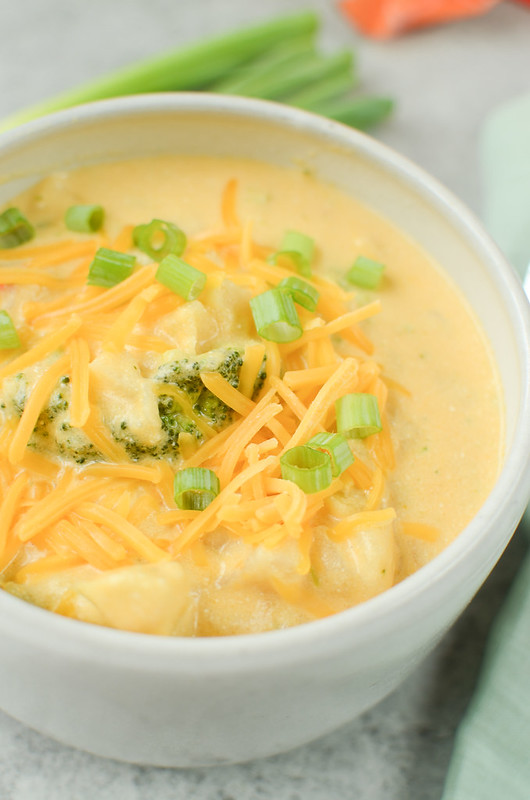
(159, 238)
(110, 267)
(337, 448)
(275, 316)
(8, 334)
(299, 248)
(302, 292)
(195, 488)
(14, 229)
(180, 277)
(366, 273)
(84, 219)
(358, 415)
(309, 468)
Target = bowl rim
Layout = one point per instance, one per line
(372, 618)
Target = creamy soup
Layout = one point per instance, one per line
(157, 464)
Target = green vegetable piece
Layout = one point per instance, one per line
(195, 488)
(185, 374)
(366, 273)
(338, 449)
(299, 248)
(180, 277)
(358, 415)
(159, 239)
(14, 229)
(308, 467)
(358, 112)
(275, 316)
(84, 218)
(335, 78)
(9, 339)
(302, 292)
(110, 267)
(308, 78)
(262, 76)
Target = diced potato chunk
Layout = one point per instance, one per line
(151, 598)
(127, 400)
(231, 306)
(190, 328)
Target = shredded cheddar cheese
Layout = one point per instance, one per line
(80, 359)
(9, 506)
(48, 344)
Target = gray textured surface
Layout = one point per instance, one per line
(445, 81)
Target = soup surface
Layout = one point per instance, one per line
(117, 388)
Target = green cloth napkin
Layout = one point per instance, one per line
(505, 165)
(491, 757)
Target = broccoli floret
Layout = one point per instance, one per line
(57, 405)
(260, 378)
(185, 374)
(218, 413)
(184, 371)
(54, 434)
(135, 449)
(230, 367)
(174, 422)
(17, 393)
(17, 390)
(75, 445)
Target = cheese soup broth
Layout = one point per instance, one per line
(444, 405)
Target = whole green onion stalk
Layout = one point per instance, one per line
(276, 60)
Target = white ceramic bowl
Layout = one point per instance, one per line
(186, 702)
